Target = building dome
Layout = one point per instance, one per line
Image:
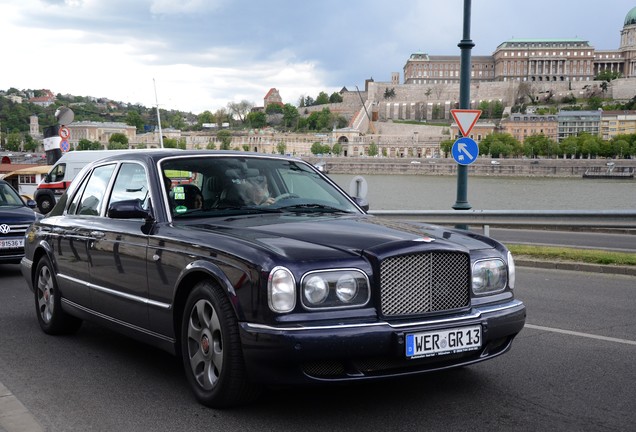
(631, 17)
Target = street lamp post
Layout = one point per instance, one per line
(465, 45)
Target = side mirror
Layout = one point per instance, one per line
(31, 204)
(362, 203)
(128, 209)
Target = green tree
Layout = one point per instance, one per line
(281, 148)
(274, 108)
(206, 117)
(594, 103)
(256, 119)
(373, 149)
(211, 145)
(290, 115)
(322, 99)
(133, 118)
(542, 145)
(14, 141)
(317, 148)
(569, 146)
(170, 143)
(119, 140)
(29, 143)
(335, 97)
(226, 139)
(86, 144)
(337, 149)
(446, 146)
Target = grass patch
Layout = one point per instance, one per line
(593, 256)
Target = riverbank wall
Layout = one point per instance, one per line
(481, 167)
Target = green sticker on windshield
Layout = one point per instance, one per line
(181, 209)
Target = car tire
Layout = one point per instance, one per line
(45, 204)
(211, 349)
(48, 302)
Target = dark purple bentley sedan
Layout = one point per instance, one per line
(258, 269)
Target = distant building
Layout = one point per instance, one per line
(45, 100)
(272, 97)
(99, 131)
(521, 126)
(574, 123)
(531, 60)
(614, 123)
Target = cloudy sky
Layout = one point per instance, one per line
(202, 54)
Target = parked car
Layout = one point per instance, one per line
(258, 269)
(15, 218)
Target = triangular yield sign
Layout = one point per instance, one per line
(465, 119)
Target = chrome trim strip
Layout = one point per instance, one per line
(117, 321)
(475, 315)
(105, 290)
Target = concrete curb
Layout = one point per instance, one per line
(577, 266)
(15, 417)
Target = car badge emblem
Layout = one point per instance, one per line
(5, 229)
(424, 239)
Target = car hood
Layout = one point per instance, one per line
(16, 215)
(330, 235)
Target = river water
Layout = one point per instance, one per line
(415, 192)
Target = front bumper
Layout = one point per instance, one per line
(350, 352)
(26, 267)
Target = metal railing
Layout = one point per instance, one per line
(592, 219)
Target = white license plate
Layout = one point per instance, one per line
(11, 244)
(440, 342)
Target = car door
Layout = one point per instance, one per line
(70, 235)
(118, 252)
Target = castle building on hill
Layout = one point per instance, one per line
(544, 60)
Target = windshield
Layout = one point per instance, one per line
(8, 196)
(221, 185)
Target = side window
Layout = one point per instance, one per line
(72, 209)
(94, 190)
(57, 174)
(131, 183)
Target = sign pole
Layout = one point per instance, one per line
(465, 45)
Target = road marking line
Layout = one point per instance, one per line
(587, 335)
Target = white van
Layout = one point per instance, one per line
(64, 171)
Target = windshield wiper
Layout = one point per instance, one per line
(316, 207)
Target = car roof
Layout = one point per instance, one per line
(158, 154)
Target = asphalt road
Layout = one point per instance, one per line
(571, 369)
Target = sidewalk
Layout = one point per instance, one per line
(15, 417)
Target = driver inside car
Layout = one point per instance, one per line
(254, 191)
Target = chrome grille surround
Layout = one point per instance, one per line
(424, 282)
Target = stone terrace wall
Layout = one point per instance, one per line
(482, 167)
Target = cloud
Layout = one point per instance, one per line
(206, 53)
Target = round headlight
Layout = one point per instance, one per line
(315, 290)
(346, 288)
(281, 289)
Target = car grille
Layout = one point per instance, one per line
(426, 282)
(14, 230)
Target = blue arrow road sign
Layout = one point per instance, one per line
(465, 151)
